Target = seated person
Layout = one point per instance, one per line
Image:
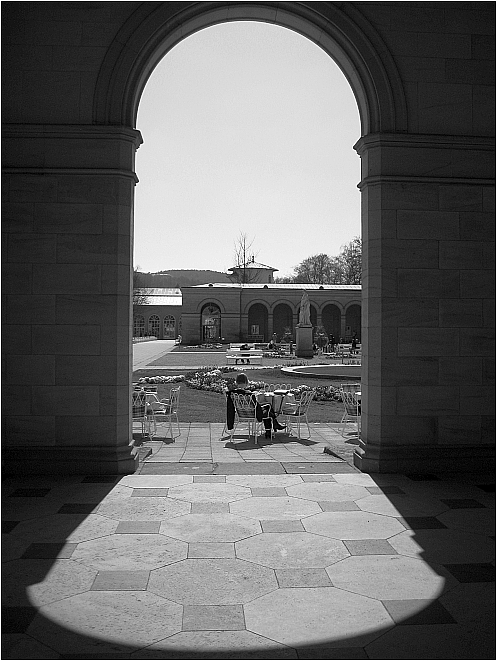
(263, 412)
(243, 347)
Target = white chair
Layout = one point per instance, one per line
(245, 412)
(352, 411)
(300, 412)
(350, 387)
(139, 411)
(164, 410)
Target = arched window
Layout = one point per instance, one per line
(154, 325)
(169, 327)
(139, 326)
(353, 322)
(211, 323)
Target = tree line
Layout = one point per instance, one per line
(343, 269)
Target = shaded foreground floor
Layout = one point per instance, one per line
(277, 552)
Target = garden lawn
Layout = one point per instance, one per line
(205, 406)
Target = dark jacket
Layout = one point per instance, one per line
(263, 412)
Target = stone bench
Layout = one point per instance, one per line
(249, 356)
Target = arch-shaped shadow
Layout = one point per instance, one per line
(421, 590)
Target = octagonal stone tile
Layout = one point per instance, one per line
(353, 525)
(327, 491)
(65, 528)
(39, 582)
(201, 581)
(398, 505)
(470, 520)
(317, 616)
(105, 622)
(291, 550)
(278, 507)
(209, 492)
(121, 552)
(264, 480)
(444, 546)
(144, 509)
(355, 479)
(223, 643)
(210, 528)
(389, 577)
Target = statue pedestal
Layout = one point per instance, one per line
(303, 345)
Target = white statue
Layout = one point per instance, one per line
(305, 310)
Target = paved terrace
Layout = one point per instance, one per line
(220, 551)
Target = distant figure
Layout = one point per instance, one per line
(331, 341)
(291, 348)
(271, 346)
(353, 348)
(179, 340)
(305, 310)
(243, 347)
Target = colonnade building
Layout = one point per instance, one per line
(254, 311)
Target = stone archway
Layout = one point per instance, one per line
(427, 195)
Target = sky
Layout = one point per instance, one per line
(248, 129)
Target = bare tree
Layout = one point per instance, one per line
(350, 259)
(244, 256)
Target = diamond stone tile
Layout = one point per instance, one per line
(291, 550)
(211, 550)
(338, 506)
(212, 582)
(268, 491)
(49, 550)
(282, 526)
(149, 493)
(16, 619)
(138, 527)
(213, 618)
(370, 546)
(121, 580)
(303, 578)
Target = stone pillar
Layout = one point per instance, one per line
(68, 266)
(428, 303)
(303, 344)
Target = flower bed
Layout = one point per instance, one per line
(215, 380)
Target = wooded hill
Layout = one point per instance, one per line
(179, 278)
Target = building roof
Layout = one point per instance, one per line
(253, 265)
(289, 285)
(162, 295)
